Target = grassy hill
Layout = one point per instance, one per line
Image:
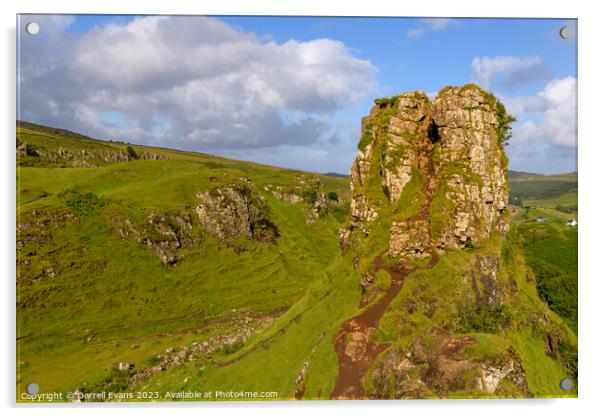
(89, 298)
(550, 246)
(547, 191)
(124, 285)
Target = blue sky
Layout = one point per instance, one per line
(291, 91)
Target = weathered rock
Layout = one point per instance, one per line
(300, 381)
(442, 367)
(124, 366)
(288, 197)
(235, 211)
(85, 158)
(410, 239)
(245, 327)
(439, 167)
(167, 233)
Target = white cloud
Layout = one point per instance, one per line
(191, 82)
(556, 108)
(429, 25)
(507, 71)
(546, 128)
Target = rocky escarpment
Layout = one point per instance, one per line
(82, 158)
(309, 191)
(440, 360)
(235, 211)
(29, 155)
(228, 211)
(437, 168)
(438, 365)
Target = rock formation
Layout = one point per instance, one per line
(82, 158)
(438, 168)
(235, 211)
(431, 177)
(439, 367)
(228, 211)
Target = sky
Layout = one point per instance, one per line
(290, 91)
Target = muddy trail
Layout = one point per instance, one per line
(354, 348)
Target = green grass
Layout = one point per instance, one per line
(543, 191)
(412, 198)
(551, 252)
(118, 290)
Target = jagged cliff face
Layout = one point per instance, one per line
(438, 166)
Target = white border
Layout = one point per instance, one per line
(590, 159)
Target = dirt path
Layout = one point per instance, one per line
(356, 351)
(353, 346)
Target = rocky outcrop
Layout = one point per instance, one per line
(165, 234)
(227, 212)
(35, 229)
(236, 333)
(168, 233)
(438, 365)
(472, 166)
(81, 158)
(310, 191)
(437, 168)
(235, 211)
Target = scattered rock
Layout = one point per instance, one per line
(123, 366)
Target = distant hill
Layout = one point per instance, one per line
(337, 175)
(550, 191)
(513, 174)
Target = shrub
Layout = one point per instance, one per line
(31, 151)
(132, 153)
(505, 121)
(569, 356)
(556, 287)
(488, 318)
(310, 196)
(333, 196)
(152, 361)
(81, 203)
(365, 140)
(231, 349)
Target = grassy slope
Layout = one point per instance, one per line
(551, 247)
(543, 190)
(551, 251)
(272, 360)
(120, 292)
(434, 295)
